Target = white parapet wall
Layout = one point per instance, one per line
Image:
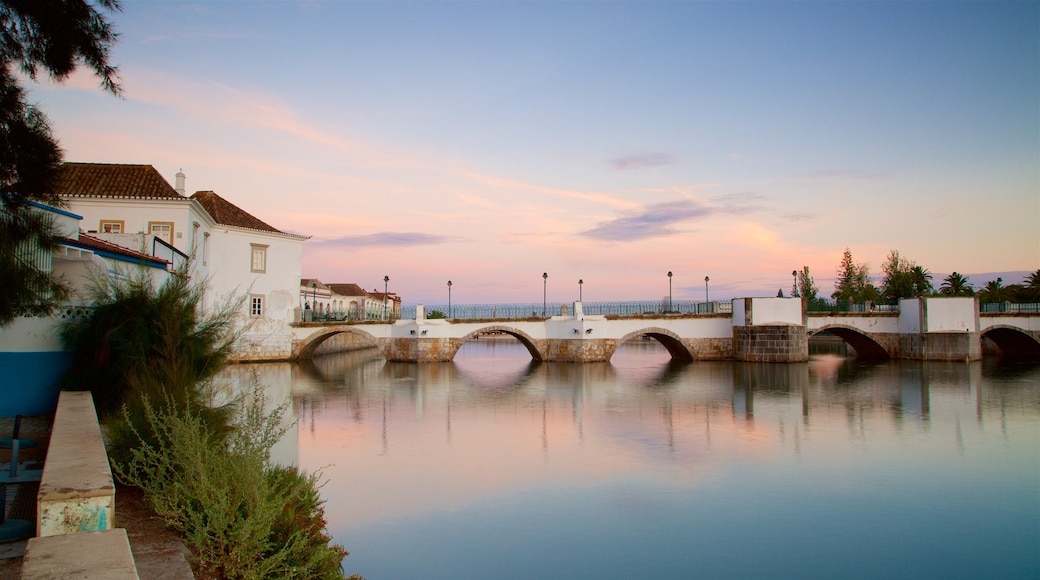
(77, 493)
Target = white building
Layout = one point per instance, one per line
(32, 356)
(239, 258)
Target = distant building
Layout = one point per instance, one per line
(338, 301)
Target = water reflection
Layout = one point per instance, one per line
(455, 462)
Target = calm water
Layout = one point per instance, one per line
(496, 467)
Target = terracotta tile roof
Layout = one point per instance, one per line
(348, 289)
(229, 214)
(306, 282)
(96, 244)
(113, 181)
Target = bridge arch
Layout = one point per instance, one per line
(865, 346)
(305, 348)
(1013, 342)
(672, 342)
(535, 347)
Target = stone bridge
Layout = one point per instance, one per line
(758, 329)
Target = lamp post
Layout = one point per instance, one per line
(545, 282)
(386, 282)
(794, 273)
(580, 282)
(314, 301)
(449, 298)
(669, 291)
(705, 290)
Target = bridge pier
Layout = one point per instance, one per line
(939, 329)
(770, 330)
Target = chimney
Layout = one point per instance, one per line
(179, 180)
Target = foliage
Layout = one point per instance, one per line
(956, 285)
(853, 282)
(241, 516)
(27, 288)
(1031, 290)
(994, 291)
(147, 342)
(904, 278)
(435, 314)
(51, 36)
(806, 285)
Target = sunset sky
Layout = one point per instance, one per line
(489, 142)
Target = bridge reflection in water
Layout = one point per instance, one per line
(642, 464)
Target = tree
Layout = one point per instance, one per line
(1031, 291)
(52, 36)
(956, 285)
(806, 285)
(853, 282)
(904, 278)
(994, 291)
(141, 342)
(922, 280)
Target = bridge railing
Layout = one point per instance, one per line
(532, 310)
(1011, 307)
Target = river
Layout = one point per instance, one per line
(496, 467)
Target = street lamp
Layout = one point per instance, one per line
(705, 289)
(669, 291)
(314, 300)
(794, 273)
(449, 298)
(580, 282)
(545, 282)
(386, 281)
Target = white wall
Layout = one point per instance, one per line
(232, 279)
(773, 311)
(136, 215)
(910, 316)
(955, 314)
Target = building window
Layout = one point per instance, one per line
(256, 305)
(205, 248)
(194, 237)
(258, 262)
(111, 227)
(162, 230)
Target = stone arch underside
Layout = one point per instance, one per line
(306, 348)
(1013, 342)
(865, 346)
(532, 346)
(672, 342)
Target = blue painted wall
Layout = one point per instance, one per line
(29, 382)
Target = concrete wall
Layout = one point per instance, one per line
(954, 314)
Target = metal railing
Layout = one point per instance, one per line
(536, 310)
(993, 307)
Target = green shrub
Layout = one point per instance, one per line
(241, 516)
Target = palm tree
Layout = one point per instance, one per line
(922, 280)
(994, 291)
(1032, 286)
(956, 285)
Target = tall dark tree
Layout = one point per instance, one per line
(51, 37)
(806, 285)
(853, 285)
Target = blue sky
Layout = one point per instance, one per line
(488, 142)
